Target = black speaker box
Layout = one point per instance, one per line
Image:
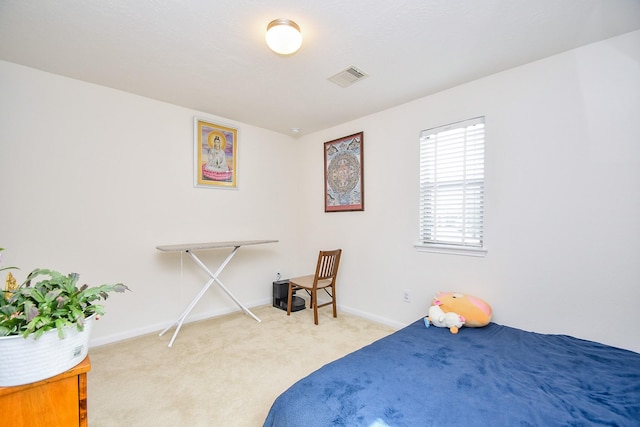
(281, 294)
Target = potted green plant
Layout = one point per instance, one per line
(45, 324)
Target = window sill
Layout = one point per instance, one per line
(451, 249)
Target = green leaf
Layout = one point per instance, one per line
(48, 300)
(30, 310)
(37, 295)
(60, 324)
(120, 288)
(52, 295)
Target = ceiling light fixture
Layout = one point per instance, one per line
(283, 36)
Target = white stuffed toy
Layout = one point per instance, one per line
(439, 318)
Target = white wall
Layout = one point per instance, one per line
(562, 199)
(93, 179)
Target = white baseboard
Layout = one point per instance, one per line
(157, 328)
(378, 319)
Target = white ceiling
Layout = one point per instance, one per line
(210, 55)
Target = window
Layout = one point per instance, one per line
(452, 188)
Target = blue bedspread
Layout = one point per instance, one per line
(491, 376)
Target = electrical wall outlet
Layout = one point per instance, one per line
(406, 295)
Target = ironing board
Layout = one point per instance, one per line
(188, 248)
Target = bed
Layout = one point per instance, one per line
(490, 376)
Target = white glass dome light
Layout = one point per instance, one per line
(283, 36)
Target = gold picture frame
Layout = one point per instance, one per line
(215, 155)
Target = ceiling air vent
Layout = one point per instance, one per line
(348, 77)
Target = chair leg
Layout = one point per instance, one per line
(333, 297)
(314, 297)
(289, 299)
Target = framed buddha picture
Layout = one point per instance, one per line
(343, 174)
(215, 155)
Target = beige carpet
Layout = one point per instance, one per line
(225, 371)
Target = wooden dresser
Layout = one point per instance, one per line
(57, 401)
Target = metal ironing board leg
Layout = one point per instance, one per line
(213, 278)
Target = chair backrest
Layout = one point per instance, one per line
(327, 268)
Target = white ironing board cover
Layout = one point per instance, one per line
(210, 245)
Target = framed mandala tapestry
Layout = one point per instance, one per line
(343, 174)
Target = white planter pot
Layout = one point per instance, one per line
(27, 360)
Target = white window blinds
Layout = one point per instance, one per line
(452, 185)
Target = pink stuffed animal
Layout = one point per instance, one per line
(476, 312)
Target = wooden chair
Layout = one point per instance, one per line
(324, 278)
